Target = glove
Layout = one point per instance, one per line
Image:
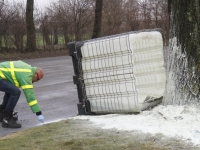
(41, 118)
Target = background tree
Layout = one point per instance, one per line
(55, 33)
(63, 14)
(183, 72)
(70, 20)
(98, 19)
(18, 27)
(82, 12)
(7, 21)
(31, 40)
(46, 29)
(132, 16)
(1, 9)
(113, 17)
(164, 20)
(145, 14)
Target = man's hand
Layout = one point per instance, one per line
(41, 118)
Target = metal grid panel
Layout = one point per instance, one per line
(107, 66)
(121, 73)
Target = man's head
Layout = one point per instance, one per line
(38, 75)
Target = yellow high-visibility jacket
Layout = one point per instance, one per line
(21, 75)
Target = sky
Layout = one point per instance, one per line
(40, 3)
(182, 122)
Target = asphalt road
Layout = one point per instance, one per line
(56, 94)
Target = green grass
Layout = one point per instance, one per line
(39, 41)
(73, 135)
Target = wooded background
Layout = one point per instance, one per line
(73, 20)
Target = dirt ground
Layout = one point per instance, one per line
(32, 55)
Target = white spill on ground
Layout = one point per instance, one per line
(52, 121)
(124, 71)
(182, 122)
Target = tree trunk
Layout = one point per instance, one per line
(65, 33)
(55, 30)
(45, 32)
(31, 41)
(1, 42)
(183, 70)
(19, 42)
(98, 19)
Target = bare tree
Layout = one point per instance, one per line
(160, 17)
(18, 26)
(113, 17)
(1, 9)
(31, 40)
(98, 19)
(155, 6)
(6, 23)
(46, 29)
(145, 14)
(77, 16)
(131, 10)
(164, 21)
(183, 72)
(64, 17)
(54, 25)
(75, 20)
(82, 11)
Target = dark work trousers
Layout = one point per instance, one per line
(11, 96)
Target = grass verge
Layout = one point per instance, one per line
(81, 135)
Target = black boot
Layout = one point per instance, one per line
(15, 116)
(9, 121)
(1, 113)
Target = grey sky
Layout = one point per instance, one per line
(38, 3)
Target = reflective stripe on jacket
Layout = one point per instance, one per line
(21, 75)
